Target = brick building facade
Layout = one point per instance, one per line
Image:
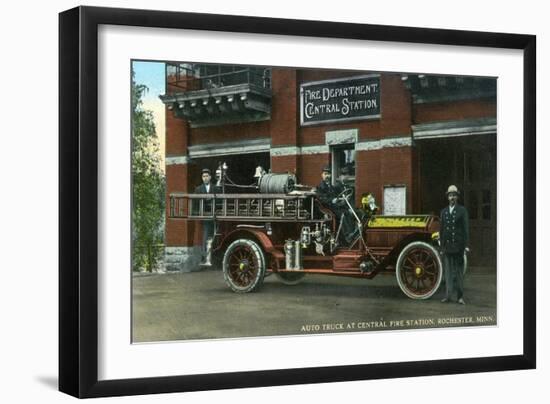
(423, 133)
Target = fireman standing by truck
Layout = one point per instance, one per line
(207, 225)
(454, 243)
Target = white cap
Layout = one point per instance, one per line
(451, 189)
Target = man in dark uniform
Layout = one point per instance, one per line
(454, 242)
(327, 194)
(207, 225)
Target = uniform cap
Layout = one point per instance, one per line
(206, 171)
(452, 189)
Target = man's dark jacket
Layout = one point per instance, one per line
(201, 189)
(454, 232)
(327, 192)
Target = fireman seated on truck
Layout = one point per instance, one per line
(328, 195)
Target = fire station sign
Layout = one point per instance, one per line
(352, 98)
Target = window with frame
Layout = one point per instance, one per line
(343, 164)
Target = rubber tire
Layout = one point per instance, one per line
(399, 269)
(260, 257)
(282, 276)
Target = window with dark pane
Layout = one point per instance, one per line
(343, 164)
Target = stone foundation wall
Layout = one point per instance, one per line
(182, 259)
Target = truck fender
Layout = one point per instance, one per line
(257, 234)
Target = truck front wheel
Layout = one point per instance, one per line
(419, 270)
(244, 266)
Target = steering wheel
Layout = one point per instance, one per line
(345, 194)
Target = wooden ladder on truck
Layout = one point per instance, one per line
(243, 207)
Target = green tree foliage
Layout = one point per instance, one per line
(148, 186)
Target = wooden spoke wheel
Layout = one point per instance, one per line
(419, 270)
(243, 266)
(290, 278)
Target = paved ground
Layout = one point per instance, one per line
(198, 305)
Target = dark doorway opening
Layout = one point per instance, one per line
(470, 163)
(241, 168)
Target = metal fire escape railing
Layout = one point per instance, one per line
(210, 95)
(200, 76)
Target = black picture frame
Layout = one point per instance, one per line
(78, 195)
